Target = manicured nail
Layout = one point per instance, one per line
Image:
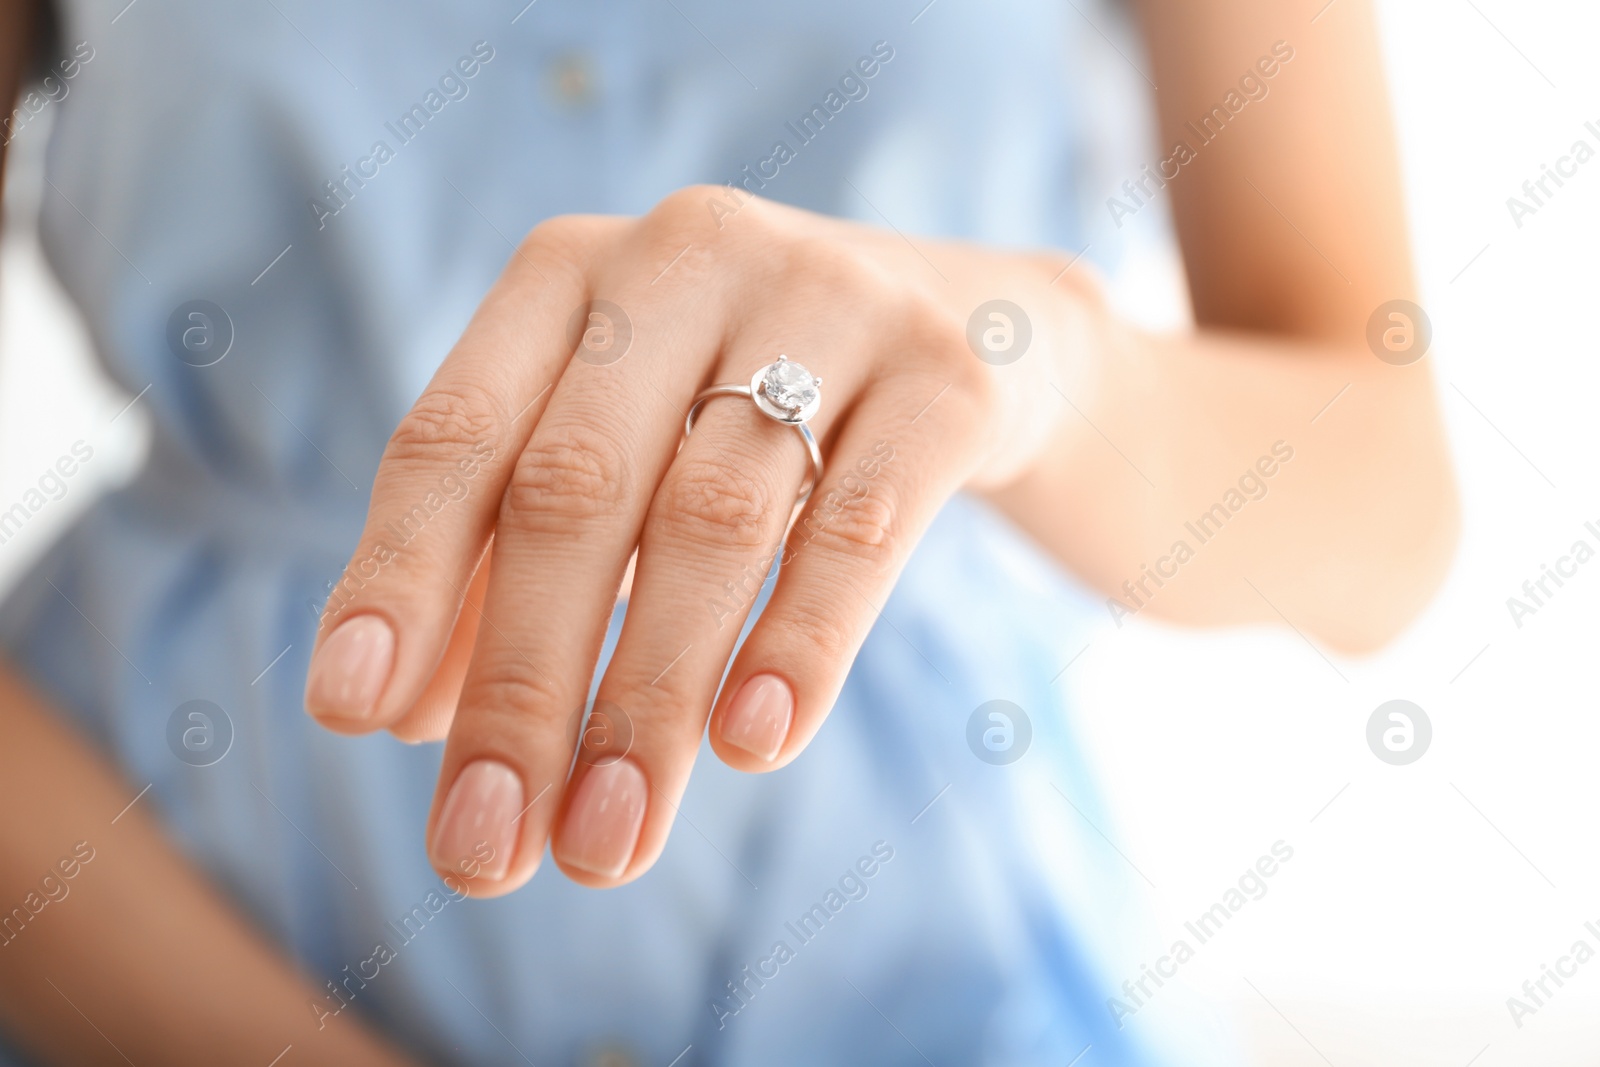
(477, 830)
(602, 825)
(351, 668)
(758, 719)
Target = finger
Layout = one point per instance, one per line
(437, 492)
(895, 463)
(707, 544)
(568, 523)
(429, 718)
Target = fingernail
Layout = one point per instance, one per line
(351, 668)
(758, 719)
(477, 829)
(602, 825)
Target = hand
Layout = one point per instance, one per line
(563, 451)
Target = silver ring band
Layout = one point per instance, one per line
(784, 392)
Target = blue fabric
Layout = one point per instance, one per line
(185, 163)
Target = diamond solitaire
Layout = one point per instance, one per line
(786, 391)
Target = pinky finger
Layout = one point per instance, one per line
(893, 466)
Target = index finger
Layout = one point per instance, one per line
(388, 621)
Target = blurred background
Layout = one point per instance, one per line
(1420, 897)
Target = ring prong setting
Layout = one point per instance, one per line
(786, 391)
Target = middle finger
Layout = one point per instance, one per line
(568, 523)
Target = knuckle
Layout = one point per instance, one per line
(820, 625)
(862, 527)
(977, 388)
(691, 198)
(563, 248)
(686, 215)
(572, 474)
(935, 329)
(968, 398)
(936, 333)
(559, 238)
(444, 420)
(558, 230)
(708, 501)
(505, 693)
(689, 201)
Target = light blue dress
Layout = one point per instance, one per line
(201, 155)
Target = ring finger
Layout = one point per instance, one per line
(707, 545)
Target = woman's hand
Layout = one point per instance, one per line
(553, 430)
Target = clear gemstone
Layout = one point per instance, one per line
(789, 385)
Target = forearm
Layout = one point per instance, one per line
(134, 955)
(1140, 491)
(1293, 231)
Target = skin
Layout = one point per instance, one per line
(499, 606)
(1358, 530)
(585, 467)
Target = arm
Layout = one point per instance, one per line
(133, 955)
(1356, 531)
(18, 28)
(572, 441)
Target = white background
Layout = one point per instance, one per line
(1421, 897)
